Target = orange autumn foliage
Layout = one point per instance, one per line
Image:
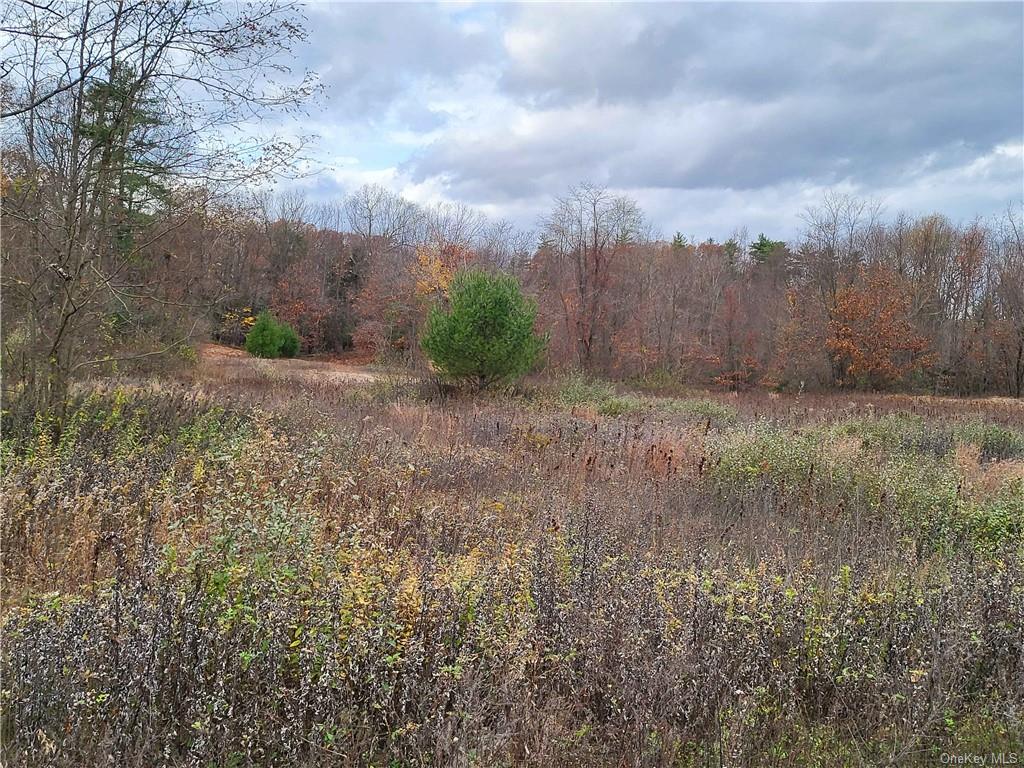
(436, 266)
(871, 337)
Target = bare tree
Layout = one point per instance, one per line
(507, 247)
(125, 119)
(453, 226)
(382, 220)
(834, 240)
(587, 230)
(1009, 301)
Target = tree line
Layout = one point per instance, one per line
(128, 233)
(858, 301)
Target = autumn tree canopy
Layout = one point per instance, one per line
(871, 334)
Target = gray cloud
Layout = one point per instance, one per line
(757, 51)
(520, 101)
(371, 56)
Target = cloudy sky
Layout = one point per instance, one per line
(713, 116)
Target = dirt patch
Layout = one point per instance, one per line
(220, 362)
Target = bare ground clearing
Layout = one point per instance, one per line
(221, 362)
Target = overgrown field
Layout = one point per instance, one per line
(256, 573)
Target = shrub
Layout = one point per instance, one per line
(990, 522)
(265, 337)
(289, 340)
(994, 441)
(622, 406)
(487, 334)
(270, 338)
(719, 413)
(660, 381)
(577, 389)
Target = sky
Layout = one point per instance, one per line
(713, 116)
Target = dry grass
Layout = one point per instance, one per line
(253, 569)
(230, 365)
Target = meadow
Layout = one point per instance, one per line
(234, 568)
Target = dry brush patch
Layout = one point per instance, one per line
(239, 576)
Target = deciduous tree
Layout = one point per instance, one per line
(871, 336)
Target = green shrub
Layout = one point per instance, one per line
(264, 338)
(994, 521)
(768, 456)
(900, 433)
(487, 334)
(994, 441)
(922, 494)
(269, 338)
(621, 405)
(187, 354)
(906, 478)
(912, 434)
(578, 389)
(289, 340)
